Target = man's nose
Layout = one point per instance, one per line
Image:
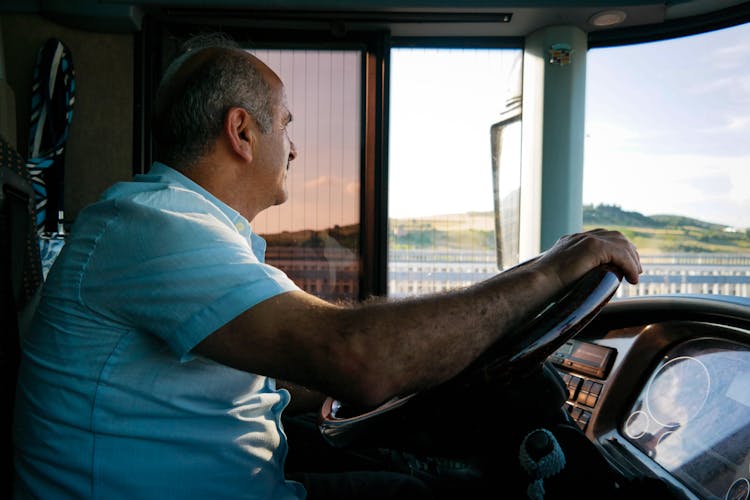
(292, 151)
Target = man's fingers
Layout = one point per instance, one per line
(575, 254)
(624, 255)
(634, 268)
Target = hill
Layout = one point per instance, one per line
(668, 233)
(612, 215)
(651, 234)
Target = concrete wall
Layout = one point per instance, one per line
(99, 149)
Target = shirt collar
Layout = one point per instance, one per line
(171, 176)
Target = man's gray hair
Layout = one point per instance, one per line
(190, 108)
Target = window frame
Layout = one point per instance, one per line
(156, 43)
(160, 38)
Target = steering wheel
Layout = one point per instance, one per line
(504, 362)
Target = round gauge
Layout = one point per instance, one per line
(739, 490)
(677, 391)
(637, 424)
(670, 448)
(664, 439)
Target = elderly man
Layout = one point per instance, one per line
(150, 370)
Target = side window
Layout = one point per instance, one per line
(443, 104)
(314, 236)
(667, 159)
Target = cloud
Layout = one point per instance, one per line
(712, 86)
(711, 186)
(323, 180)
(739, 123)
(735, 124)
(352, 188)
(731, 56)
(706, 187)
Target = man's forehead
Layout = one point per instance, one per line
(283, 103)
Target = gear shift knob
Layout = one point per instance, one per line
(541, 457)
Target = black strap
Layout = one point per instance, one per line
(15, 224)
(14, 227)
(8, 311)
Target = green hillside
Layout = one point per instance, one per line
(668, 233)
(651, 234)
(610, 215)
(473, 230)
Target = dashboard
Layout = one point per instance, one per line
(661, 385)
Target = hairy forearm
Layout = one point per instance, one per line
(406, 346)
(367, 353)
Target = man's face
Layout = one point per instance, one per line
(275, 150)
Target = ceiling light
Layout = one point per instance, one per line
(608, 18)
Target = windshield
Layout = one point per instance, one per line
(667, 160)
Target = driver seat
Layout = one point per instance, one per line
(20, 281)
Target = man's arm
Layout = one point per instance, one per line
(367, 353)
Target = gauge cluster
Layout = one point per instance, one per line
(692, 417)
(661, 386)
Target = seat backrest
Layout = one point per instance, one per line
(20, 278)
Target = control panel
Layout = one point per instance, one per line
(584, 367)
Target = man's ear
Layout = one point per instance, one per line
(238, 127)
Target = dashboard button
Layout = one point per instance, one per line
(583, 394)
(586, 387)
(573, 385)
(591, 400)
(575, 413)
(583, 420)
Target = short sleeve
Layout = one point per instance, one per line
(180, 271)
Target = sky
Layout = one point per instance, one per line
(667, 128)
(323, 94)
(442, 104)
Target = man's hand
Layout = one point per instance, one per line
(573, 255)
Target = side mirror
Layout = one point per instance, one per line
(505, 141)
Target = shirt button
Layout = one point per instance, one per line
(240, 226)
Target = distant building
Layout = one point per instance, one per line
(330, 272)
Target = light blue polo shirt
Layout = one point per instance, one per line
(111, 403)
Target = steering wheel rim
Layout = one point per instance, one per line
(565, 315)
